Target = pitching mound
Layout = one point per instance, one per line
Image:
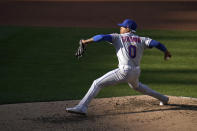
(133, 113)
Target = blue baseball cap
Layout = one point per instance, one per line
(128, 23)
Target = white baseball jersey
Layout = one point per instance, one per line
(129, 48)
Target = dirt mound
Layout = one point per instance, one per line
(137, 113)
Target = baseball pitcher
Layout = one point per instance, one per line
(129, 50)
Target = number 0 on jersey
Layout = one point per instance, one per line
(132, 51)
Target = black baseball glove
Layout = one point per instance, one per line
(81, 49)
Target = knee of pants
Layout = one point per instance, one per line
(96, 83)
(99, 84)
(135, 86)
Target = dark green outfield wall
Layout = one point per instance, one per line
(148, 15)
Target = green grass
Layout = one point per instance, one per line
(38, 64)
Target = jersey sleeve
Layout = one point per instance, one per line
(145, 42)
(115, 37)
(98, 38)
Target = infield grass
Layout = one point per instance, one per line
(38, 64)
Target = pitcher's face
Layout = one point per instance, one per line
(124, 30)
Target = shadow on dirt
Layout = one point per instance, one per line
(73, 118)
(183, 107)
(171, 107)
(61, 119)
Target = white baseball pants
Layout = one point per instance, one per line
(122, 74)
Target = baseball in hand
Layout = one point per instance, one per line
(167, 55)
(167, 58)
